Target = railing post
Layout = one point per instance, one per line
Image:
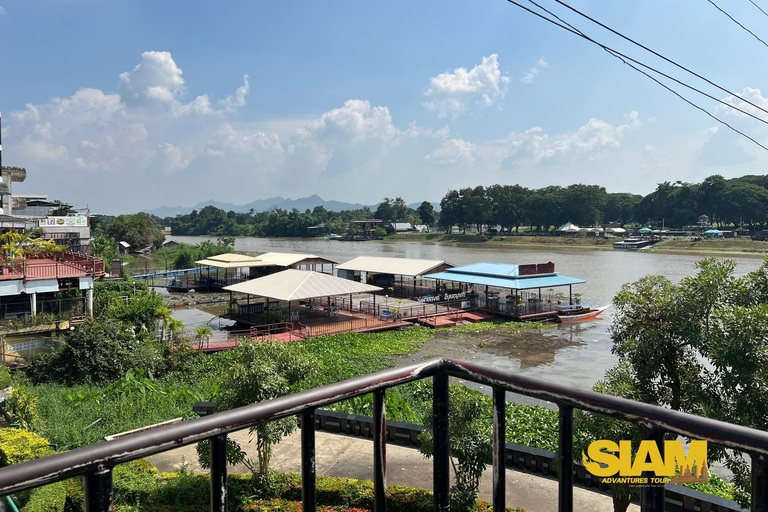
(308, 481)
(442, 475)
(652, 497)
(219, 473)
(499, 449)
(565, 455)
(97, 488)
(379, 451)
(759, 482)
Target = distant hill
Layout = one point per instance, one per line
(260, 205)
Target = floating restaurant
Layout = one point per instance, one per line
(513, 291)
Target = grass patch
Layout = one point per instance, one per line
(732, 244)
(509, 327)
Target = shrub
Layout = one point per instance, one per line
(23, 407)
(5, 377)
(134, 482)
(49, 498)
(95, 352)
(17, 446)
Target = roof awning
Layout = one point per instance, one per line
(396, 266)
(295, 284)
(514, 283)
(503, 275)
(289, 259)
(229, 260)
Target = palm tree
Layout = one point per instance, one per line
(203, 334)
(164, 319)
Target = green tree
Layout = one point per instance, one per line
(261, 371)
(104, 247)
(470, 442)
(427, 213)
(203, 334)
(620, 208)
(97, 351)
(620, 382)
(451, 211)
(139, 230)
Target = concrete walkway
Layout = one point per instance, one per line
(352, 457)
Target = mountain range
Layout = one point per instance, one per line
(261, 205)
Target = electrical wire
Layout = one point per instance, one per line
(623, 57)
(657, 54)
(569, 28)
(736, 22)
(761, 9)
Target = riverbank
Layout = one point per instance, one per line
(724, 247)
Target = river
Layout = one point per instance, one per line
(573, 354)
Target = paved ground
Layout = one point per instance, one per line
(352, 457)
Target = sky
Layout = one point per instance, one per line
(121, 105)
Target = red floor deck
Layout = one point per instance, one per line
(451, 319)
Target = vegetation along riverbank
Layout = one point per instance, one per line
(722, 246)
(97, 382)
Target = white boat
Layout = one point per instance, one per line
(578, 312)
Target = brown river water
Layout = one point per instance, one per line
(575, 354)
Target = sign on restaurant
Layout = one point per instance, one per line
(78, 221)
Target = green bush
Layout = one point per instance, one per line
(97, 351)
(17, 446)
(134, 482)
(5, 377)
(49, 498)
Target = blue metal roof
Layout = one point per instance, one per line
(503, 275)
(489, 269)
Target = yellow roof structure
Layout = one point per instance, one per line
(295, 284)
(396, 266)
(289, 259)
(230, 260)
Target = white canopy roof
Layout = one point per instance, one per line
(288, 259)
(395, 266)
(569, 227)
(229, 260)
(295, 284)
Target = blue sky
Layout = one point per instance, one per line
(126, 105)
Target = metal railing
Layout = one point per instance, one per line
(96, 462)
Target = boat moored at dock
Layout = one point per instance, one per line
(634, 244)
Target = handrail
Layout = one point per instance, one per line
(96, 461)
(101, 456)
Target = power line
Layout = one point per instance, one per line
(657, 54)
(761, 9)
(621, 56)
(736, 22)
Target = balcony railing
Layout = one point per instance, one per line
(95, 462)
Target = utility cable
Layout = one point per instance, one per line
(667, 59)
(761, 9)
(620, 56)
(736, 22)
(623, 57)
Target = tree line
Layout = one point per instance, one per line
(732, 202)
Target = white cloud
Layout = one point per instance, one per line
(454, 152)
(534, 146)
(751, 95)
(147, 145)
(453, 92)
(529, 75)
(2, 10)
(156, 78)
